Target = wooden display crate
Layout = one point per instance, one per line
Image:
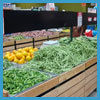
(5, 93)
(36, 42)
(90, 62)
(78, 82)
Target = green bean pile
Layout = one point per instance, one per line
(17, 80)
(58, 59)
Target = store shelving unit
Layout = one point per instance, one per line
(81, 80)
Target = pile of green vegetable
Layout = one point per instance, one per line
(19, 37)
(6, 64)
(52, 59)
(58, 59)
(17, 80)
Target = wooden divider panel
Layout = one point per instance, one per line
(6, 49)
(70, 83)
(5, 93)
(90, 77)
(52, 93)
(40, 38)
(79, 93)
(35, 91)
(74, 71)
(24, 40)
(24, 45)
(73, 89)
(54, 36)
(90, 83)
(8, 43)
(90, 90)
(91, 62)
(90, 70)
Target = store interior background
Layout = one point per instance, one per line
(76, 7)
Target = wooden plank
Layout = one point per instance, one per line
(70, 83)
(8, 43)
(82, 95)
(90, 83)
(24, 40)
(24, 45)
(91, 62)
(54, 39)
(90, 89)
(40, 38)
(35, 91)
(6, 49)
(39, 43)
(5, 93)
(74, 71)
(78, 93)
(54, 36)
(73, 89)
(37, 46)
(63, 34)
(90, 77)
(90, 70)
(52, 93)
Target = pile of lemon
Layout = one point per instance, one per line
(21, 56)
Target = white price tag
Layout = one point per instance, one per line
(89, 19)
(79, 19)
(95, 19)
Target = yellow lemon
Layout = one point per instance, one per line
(31, 50)
(19, 50)
(6, 56)
(25, 53)
(26, 49)
(19, 55)
(28, 58)
(14, 51)
(11, 58)
(29, 54)
(32, 56)
(21, 61)
(35, 49)
(8, 53)
(23, 57)
(16, 60)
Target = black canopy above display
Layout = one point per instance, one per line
(21, 21)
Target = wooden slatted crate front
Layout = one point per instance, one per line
(79, 82)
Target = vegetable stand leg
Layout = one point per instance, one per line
(71, 33)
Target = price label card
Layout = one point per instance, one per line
(95, 19)
(89, 19)
(79, 19)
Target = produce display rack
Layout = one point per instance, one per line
(34, 42)
(80, 81)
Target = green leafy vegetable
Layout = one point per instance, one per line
(6, 64)
(19, 37)
(17, 80)
(58, 59)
